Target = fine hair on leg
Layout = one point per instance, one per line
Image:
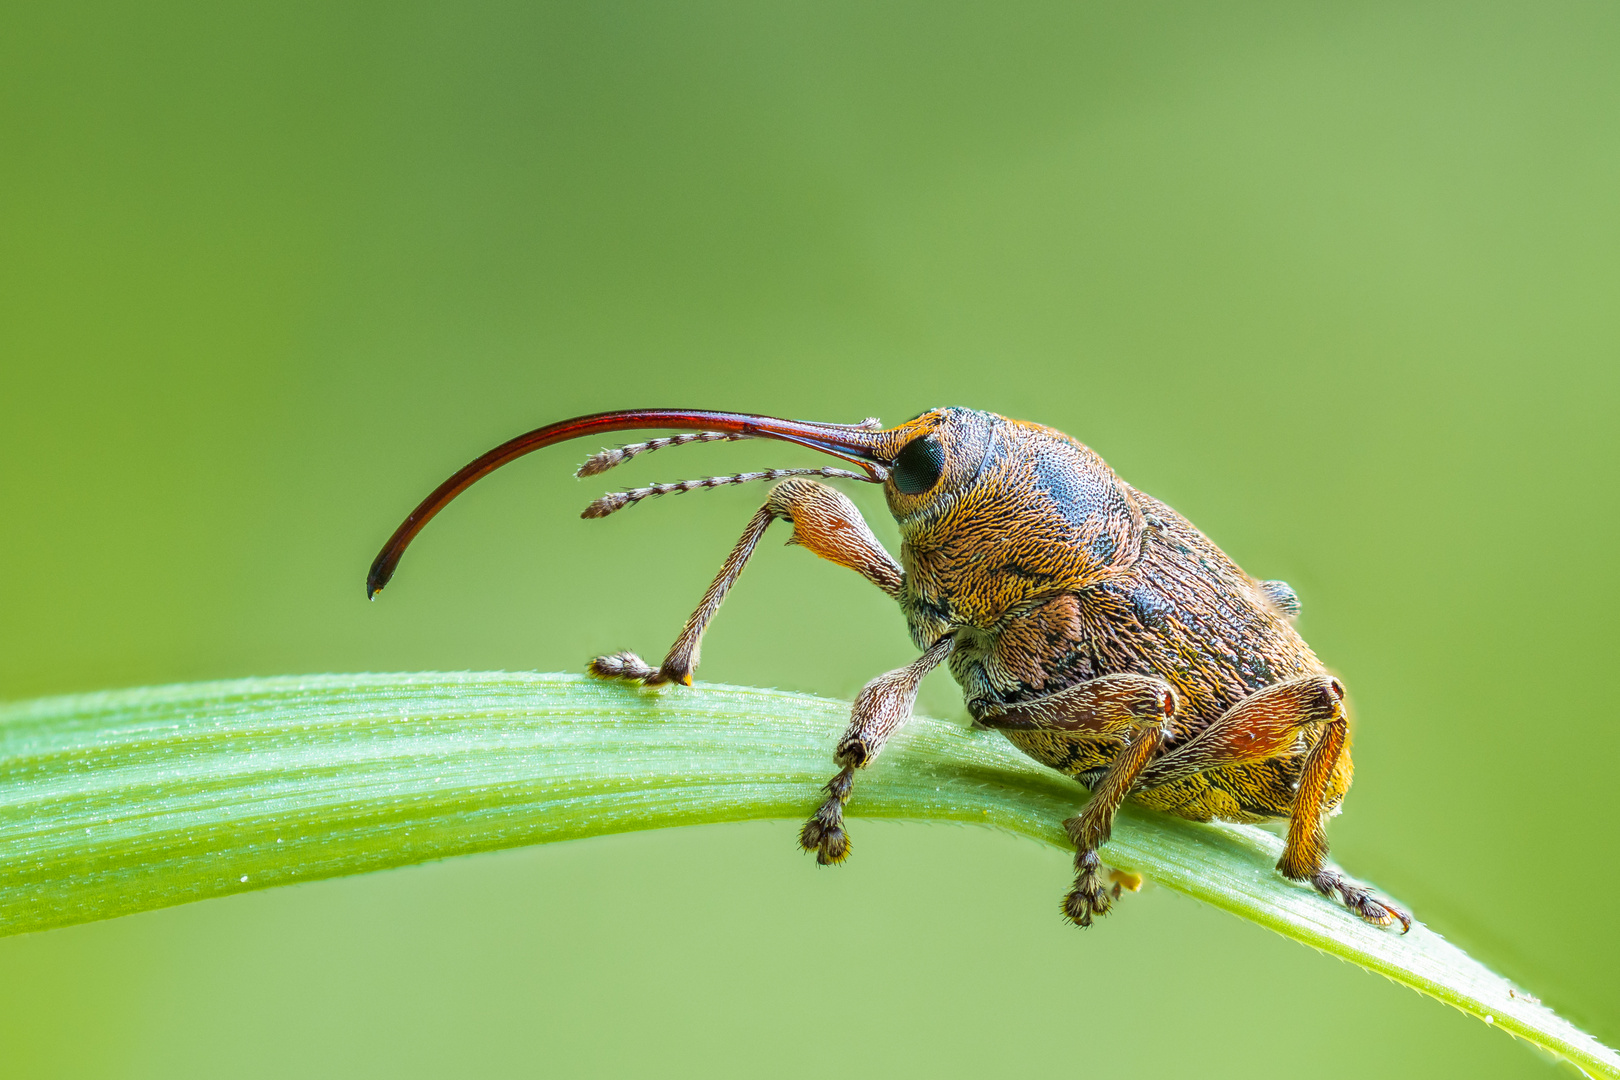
(1271, 723)
(682, 659)
(1304, 856)
(1126, 715)
(881, 709)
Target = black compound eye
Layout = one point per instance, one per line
(918, 465)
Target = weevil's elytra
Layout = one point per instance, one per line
(1102, 633)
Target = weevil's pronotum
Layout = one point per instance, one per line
(1090, 623)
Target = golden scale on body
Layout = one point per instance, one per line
(1095, 627)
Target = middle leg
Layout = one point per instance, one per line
(1133, 710)
(880, 710)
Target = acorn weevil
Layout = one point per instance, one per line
(1091, 624)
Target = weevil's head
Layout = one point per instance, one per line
(932, 459)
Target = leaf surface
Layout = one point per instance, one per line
(126, 801)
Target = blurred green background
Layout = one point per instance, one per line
(1339, 282)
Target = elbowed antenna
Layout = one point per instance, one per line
(856, 443)
(614, 501)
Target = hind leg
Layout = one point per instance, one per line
(1304, 857)
(1270, 723)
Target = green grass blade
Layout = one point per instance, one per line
(126, 801)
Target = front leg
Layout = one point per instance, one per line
(880, 710)
(824, 521)
(1133, 709)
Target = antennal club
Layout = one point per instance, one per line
(604, 460)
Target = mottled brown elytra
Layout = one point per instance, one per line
(1090, 623)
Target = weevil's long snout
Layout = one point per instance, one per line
(859, 443)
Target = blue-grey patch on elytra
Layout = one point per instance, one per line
(1151, 609)
(1083, 499)
(1282, 596)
